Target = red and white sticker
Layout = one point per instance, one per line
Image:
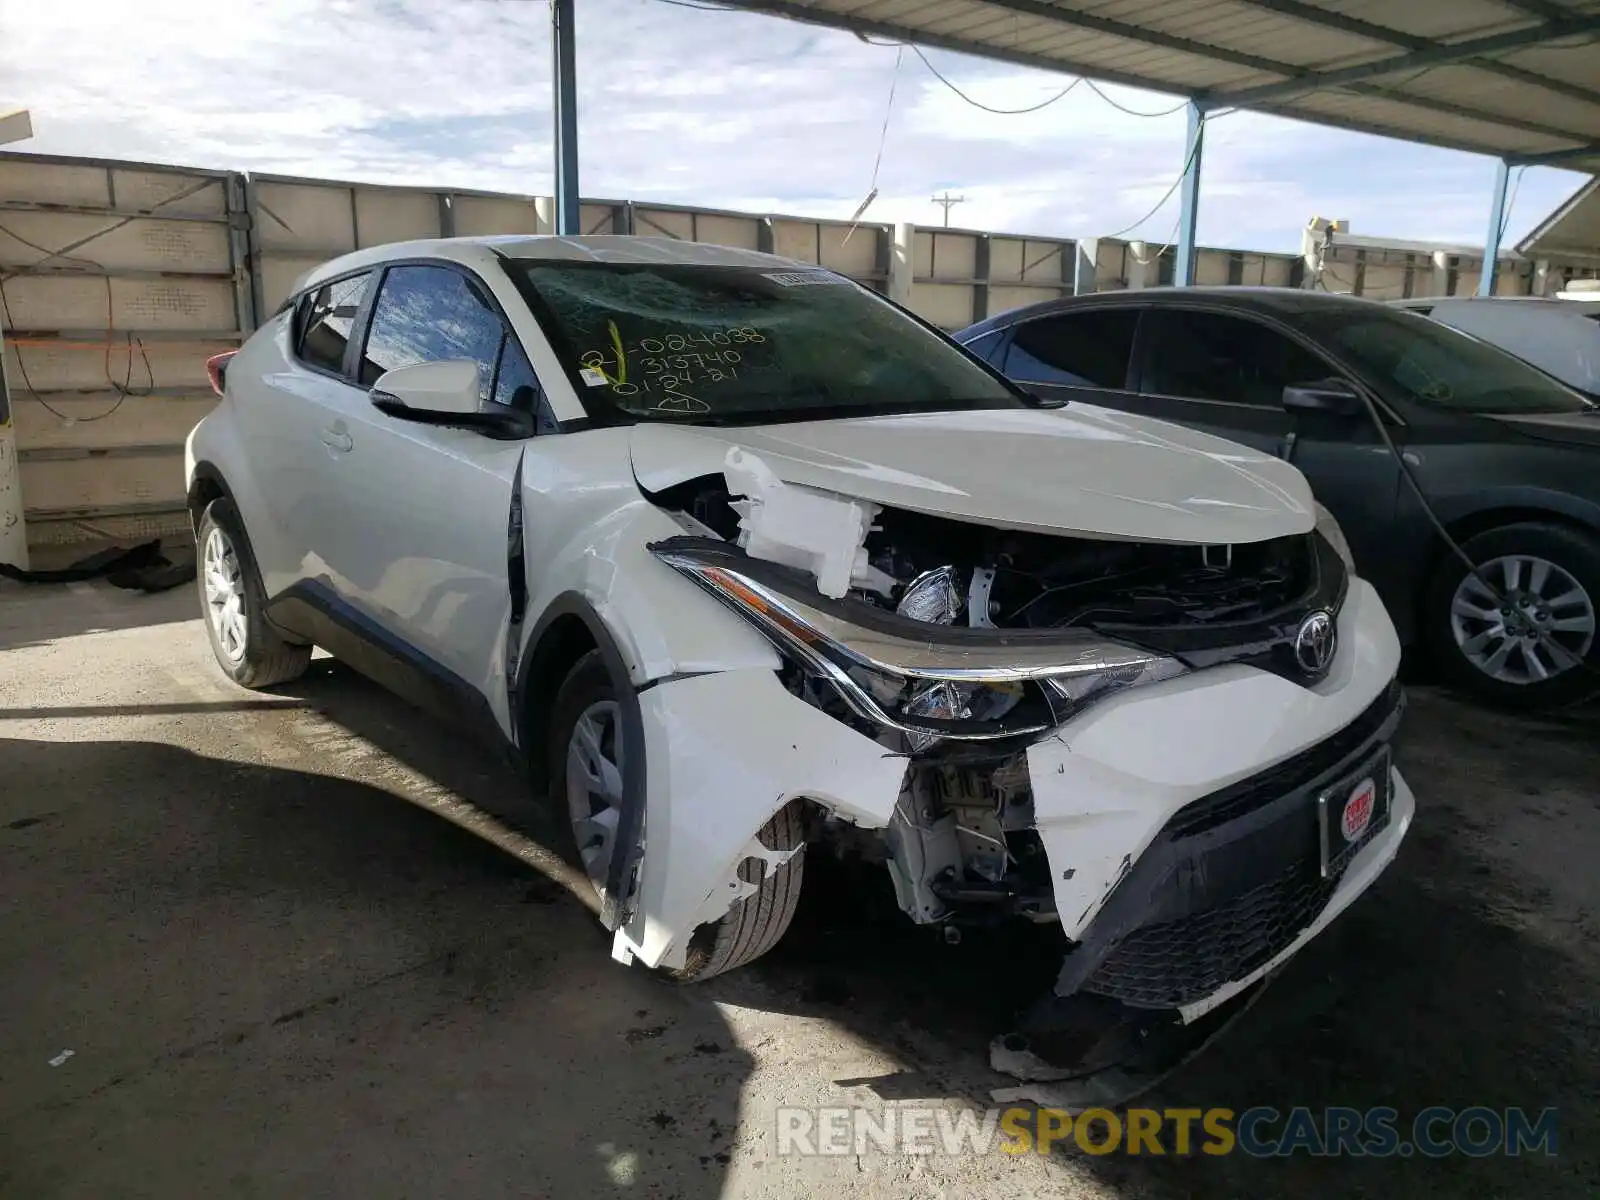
(1358, 810)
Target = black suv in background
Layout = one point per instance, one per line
(1508, 459)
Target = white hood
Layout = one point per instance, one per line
(1080, 471)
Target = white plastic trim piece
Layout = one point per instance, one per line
(798, 526)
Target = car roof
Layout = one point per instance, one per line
(1552, 303)
(1277, 301)
(485, 252)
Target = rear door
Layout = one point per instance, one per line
(292, 404)
(419, 540)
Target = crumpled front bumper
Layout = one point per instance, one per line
(725, 751)
(1181, 820)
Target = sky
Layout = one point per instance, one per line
(686, 106)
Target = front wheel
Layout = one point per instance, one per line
(585, 755)
(1533, 646)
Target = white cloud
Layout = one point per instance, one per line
(684, 106)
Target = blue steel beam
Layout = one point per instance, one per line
(1434, 56)
(1497, 221)
(563, 39)
(1189, 197)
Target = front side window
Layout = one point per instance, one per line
(1428, 362)
(692, 343)
(431, 314)
(1086, 349)
(1214, 356)
(324, 319)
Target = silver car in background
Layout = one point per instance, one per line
(1560, 337)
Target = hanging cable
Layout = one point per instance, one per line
(883, 140)
(1133, 112)
(999, 112)
(1167, 195)
(1505, 217)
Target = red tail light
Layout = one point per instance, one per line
(217, 369)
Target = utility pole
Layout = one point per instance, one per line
(947, 202)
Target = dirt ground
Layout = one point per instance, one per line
(277, 977)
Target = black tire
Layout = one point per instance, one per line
(1573, 551)
(753, 925)
(266, 659)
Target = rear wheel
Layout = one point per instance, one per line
(1536, 644)
(585, 760)
(248, 650)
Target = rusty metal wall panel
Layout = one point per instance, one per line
(477, 215)
(106, 337)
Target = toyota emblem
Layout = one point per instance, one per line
(1315, 642)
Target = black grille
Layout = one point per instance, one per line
(1219, 808)
(1178, 962)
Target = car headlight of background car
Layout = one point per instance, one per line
(927, 681)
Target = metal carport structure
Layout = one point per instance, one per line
(1518, 80)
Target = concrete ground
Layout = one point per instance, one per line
(276, 977)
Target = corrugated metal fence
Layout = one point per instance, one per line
(119, 279)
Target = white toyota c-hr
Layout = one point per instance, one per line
(737, 557)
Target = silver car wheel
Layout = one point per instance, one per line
(594, 786)
(1546, 627)
(224, 586)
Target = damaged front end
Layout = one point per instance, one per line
(974, 650)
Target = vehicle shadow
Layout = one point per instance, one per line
(30, 615)
(1445, 985)
(222, 978)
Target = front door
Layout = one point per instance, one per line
(420, 541)
(1225, 374)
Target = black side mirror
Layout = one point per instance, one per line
(1325, 395)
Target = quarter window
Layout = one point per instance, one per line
(1213, 356)
(324, 320)
(431, 314)
(1086, 349)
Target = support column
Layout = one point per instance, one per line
(563, 39)
(1086, 267)
(1189, 194)
(13, 529)
(1497, 218)
(902, 264)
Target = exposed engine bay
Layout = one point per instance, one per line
(1097, 615)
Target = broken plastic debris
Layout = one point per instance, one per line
(61, 1058)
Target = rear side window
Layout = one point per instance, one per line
(431, 314)
(1214, 356)
(324, 319)
(1087, 349)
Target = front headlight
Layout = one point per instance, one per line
(1329, 528)
(927, 681)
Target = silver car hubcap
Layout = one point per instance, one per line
(1545, 627)
(594, 786)
(224, 584)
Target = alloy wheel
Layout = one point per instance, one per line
(1545, 628)
(224, 588)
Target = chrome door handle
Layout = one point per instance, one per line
(335, 440)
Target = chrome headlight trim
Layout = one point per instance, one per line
(834, 647)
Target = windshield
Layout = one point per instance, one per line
(707, 344)
(1431, 363)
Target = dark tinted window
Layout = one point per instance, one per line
(1212, 356)
(516, 386)
(431, 314)
(1089, 348)
(1423, 360)
(324, 319)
